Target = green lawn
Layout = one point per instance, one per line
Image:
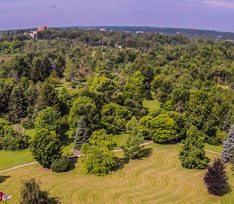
(158, 178)
(119, 139)
(14, 158)
(152, 104)
(30, 132)
(214, 148)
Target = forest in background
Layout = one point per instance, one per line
(109, 75)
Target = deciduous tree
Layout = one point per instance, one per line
(46, 147)
(163, 129)
(99, 159)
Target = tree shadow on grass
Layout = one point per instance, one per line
(72, 164)
(55, 200)
(3, 178)
(227, 190)
(120, 163)
(65, 137)
(147, 152)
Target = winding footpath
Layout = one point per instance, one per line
(117, 150)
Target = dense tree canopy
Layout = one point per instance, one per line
(46, 147)
(99, 158)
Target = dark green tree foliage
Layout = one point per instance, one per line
(228, 145)
(132, 148)
(47, 96)
(65, 100)
(20, 66)
(60, 165)
(32, 194)
(114, 117)
(107, 87)
(81, 134)
(215, 178)
(227, 122)
(6, 87)
(163, 129)
(49, 119)
(46, 147)
(99, 159)
(13, 140)
(18, 104)
(192, 154)
(84, 107)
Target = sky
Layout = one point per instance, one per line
(198, 14)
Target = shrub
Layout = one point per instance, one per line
(32, 194)
(13, 140)
(60, 165)
(213, 141)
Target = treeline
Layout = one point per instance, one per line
(107, 76)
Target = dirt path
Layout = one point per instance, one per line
(117, 150)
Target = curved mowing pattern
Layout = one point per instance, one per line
(156, 179)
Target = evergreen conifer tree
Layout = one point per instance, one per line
(47, 96)
(192, 154)
(228, 144)
(81, 134)
(132, 148)
(18, 103)
(215, 178)
(227, 122)
(32, 194)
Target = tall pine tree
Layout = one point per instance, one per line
(81, 134)
(227, 122)
(132, 148)
(18, 103)
(228, 144)
(192, 154)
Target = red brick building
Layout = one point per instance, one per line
(42, 28)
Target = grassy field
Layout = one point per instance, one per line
(152, 104)
(30, 132)
(14, 158)
(214, 148)
(158, 178)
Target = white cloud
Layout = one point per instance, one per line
(221, 4)
(216, 3)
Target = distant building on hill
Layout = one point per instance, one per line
(42, 28)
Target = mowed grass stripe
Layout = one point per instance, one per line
(14, 158)
(158, 178)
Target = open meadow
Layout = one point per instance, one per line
(157, 178)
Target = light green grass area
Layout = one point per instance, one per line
(214, 148)
(30, 132)
(67, 148)
(152, 104)
(119, 139)
(10, 159)
(158, 178)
